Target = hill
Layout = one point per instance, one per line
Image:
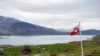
(91, 32)
(11, 26)
(84, 32)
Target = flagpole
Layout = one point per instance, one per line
(81, 39)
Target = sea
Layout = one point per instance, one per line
(41, 39)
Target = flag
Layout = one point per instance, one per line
(75, 30)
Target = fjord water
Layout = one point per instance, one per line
(41, 39)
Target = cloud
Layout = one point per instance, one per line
(54, 13)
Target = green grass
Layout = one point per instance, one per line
(12, 50)
(70, 48)
(60, 48)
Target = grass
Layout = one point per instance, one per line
(59, 49)
(70, 48)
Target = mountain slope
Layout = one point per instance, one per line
(84, 32)
(12, 26)
(91, 32)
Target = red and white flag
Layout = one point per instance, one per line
(75, 30)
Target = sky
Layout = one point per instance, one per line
(56, 14)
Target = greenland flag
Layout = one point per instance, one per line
(75, 30)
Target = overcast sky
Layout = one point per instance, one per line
(57, 14)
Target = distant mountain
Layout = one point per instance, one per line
(11, 26)
(84, 32)
(91, 32)
(63, 30)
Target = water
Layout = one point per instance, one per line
(41, 39)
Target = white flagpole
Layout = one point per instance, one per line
(81, 39)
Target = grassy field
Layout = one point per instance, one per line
(90, 47)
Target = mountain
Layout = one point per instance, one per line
(63, 30)
(12, 26)
(84, 32)
(91, 32)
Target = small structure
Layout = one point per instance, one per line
(26, 50)
(52, 54)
